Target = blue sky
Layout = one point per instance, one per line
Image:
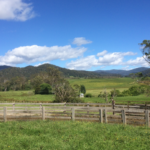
(74, 34)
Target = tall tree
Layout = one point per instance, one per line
(146, 50)
(83, 90)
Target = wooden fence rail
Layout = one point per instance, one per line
(137, 106)
(102, 115)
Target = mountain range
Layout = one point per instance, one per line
(8, 72)
(125, 72)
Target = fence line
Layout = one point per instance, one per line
(102, 115)
(137, 106)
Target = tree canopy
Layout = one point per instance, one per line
(146, 50)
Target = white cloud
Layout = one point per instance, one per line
(102, 53)
(81, 41)
(35, 53)
(139, 61)
(108, 59)
(83, 63)
(16, 10)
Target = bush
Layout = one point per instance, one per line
(88, 95)
(43, 89)
(134, 90)
(143, 88)
(114, 93)
(126, 93)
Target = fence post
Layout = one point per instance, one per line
(101, 115)
(87, 106)
(43, 113)
(105, 115)
(5, 114)
(40, 106)
(147, 118)
(124, 117)
(65, 109)
(13, 106)
(73, 114)
(128, 105)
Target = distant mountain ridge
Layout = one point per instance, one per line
(4, 67)
(9, 72)
(28, 71)
(124, 72)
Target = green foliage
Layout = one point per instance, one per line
(146, 50)
(37, 90)
(126, 93)
(65, 93)
(114, 93)
(134, 90)
(83, 89)
(44, 88)
(88, 95)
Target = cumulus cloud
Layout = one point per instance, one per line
(83, 63)
(106, 59)
(35, 53)
(102, 53)
(139, 61)
(16, 10)
(81, 41)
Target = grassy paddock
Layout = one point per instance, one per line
(93, 86)
(68, 135)
(120, 100)
(25, 96)
(101, 83)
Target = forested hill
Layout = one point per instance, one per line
(30, 70)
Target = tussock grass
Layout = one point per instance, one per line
(68, 135)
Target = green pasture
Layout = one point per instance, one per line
(25, 96)
(68, 135)
(94, 86)
(102, 83)
(120, 100)
(28, 96)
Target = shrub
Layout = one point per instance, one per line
(134, 90)
(43, 89)
(114, 93)
(88, 95)
(143, 88)
(126, 93)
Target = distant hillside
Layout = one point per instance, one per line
(30, 70)
(4, 67)
(124, 72)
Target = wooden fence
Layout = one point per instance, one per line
(106, 105)
(94, 114)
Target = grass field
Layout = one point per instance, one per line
(68, 135)
(25, 96)
(93, 86)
